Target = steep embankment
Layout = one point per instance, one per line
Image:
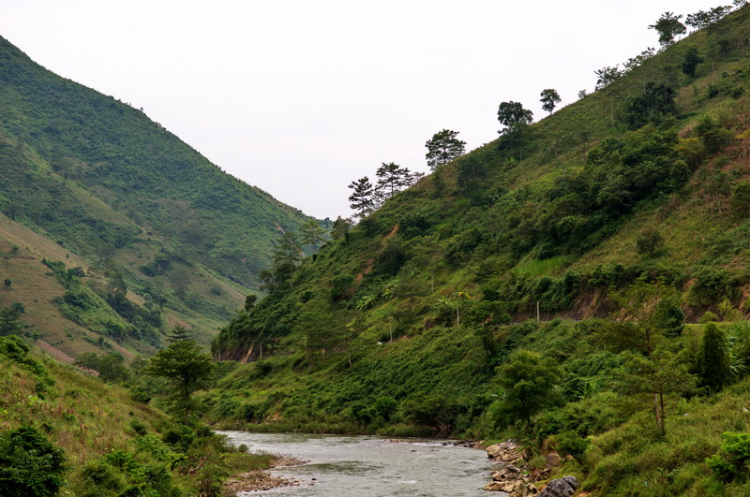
(630, 205)
(64, 433)
(142, 213)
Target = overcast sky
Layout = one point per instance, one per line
(301, 97)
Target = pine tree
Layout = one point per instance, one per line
(443, 147)
(391, 179)
(363, 197)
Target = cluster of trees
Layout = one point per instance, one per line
(391, 179)
(670, 26)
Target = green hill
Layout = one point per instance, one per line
(547, 286)
(63, 433)
(149, 221)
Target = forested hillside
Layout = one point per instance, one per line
(62, 433)
(144, 231)
(580, 284)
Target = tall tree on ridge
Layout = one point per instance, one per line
(550, 99)
(669, 27)
(443, 147)
(363, 197)
(391, 179)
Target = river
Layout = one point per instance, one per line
(365, 466)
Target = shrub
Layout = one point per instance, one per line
(649, 242)
(733, 456)
(30, 464)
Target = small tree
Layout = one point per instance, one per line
(391, 179)
(443, 147)
(514, 117)
(10, 320)
(705, 18)
(312, 234)
(657, 375)
(669, 27)
(550, 99)
(8, 282)
(528, 382)
(712, 364)
(606, 76)
(363, 197)
(340, 227)
(649, 242)
(285, 258)
(187, 368)
(691, 61)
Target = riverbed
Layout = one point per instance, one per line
(366, 466)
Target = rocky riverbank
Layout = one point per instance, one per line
(516, 478)
(258, 480)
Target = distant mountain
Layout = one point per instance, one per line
(140, 211)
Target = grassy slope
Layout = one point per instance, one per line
(117, 190)
(492, 245)
(90, 420)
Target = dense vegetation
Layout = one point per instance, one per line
(580, 284)
(62, 432)
(136, 205)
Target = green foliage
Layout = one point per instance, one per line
(714, 137)
(514, 117)
(669, 27)
(703, 18)
(10, 321)
(109, 184)
(16, 350)
(111, 367)
(528, 381)
(649, 242)
(550, 99)
(186, 367)
(712, 364)
(691, 61)
(472, 174)
(652, 106)
(363, 197)
(731, 461)
(30, 464)
(443, 147)
(740, 201)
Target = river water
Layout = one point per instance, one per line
(363, 466)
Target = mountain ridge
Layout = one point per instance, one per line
(140, 206)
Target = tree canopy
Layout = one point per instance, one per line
(513, 116)
(669, 27)
(550, 99)
(391, 179)
(362, 198)
(443, 147)
(186, 367)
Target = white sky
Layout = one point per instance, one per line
(301, 97)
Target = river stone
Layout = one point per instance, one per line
(506, 451)
(563, 487)
(508, 486)
(507, 473)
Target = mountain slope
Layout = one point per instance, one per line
(539, 288)
(137, 206)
